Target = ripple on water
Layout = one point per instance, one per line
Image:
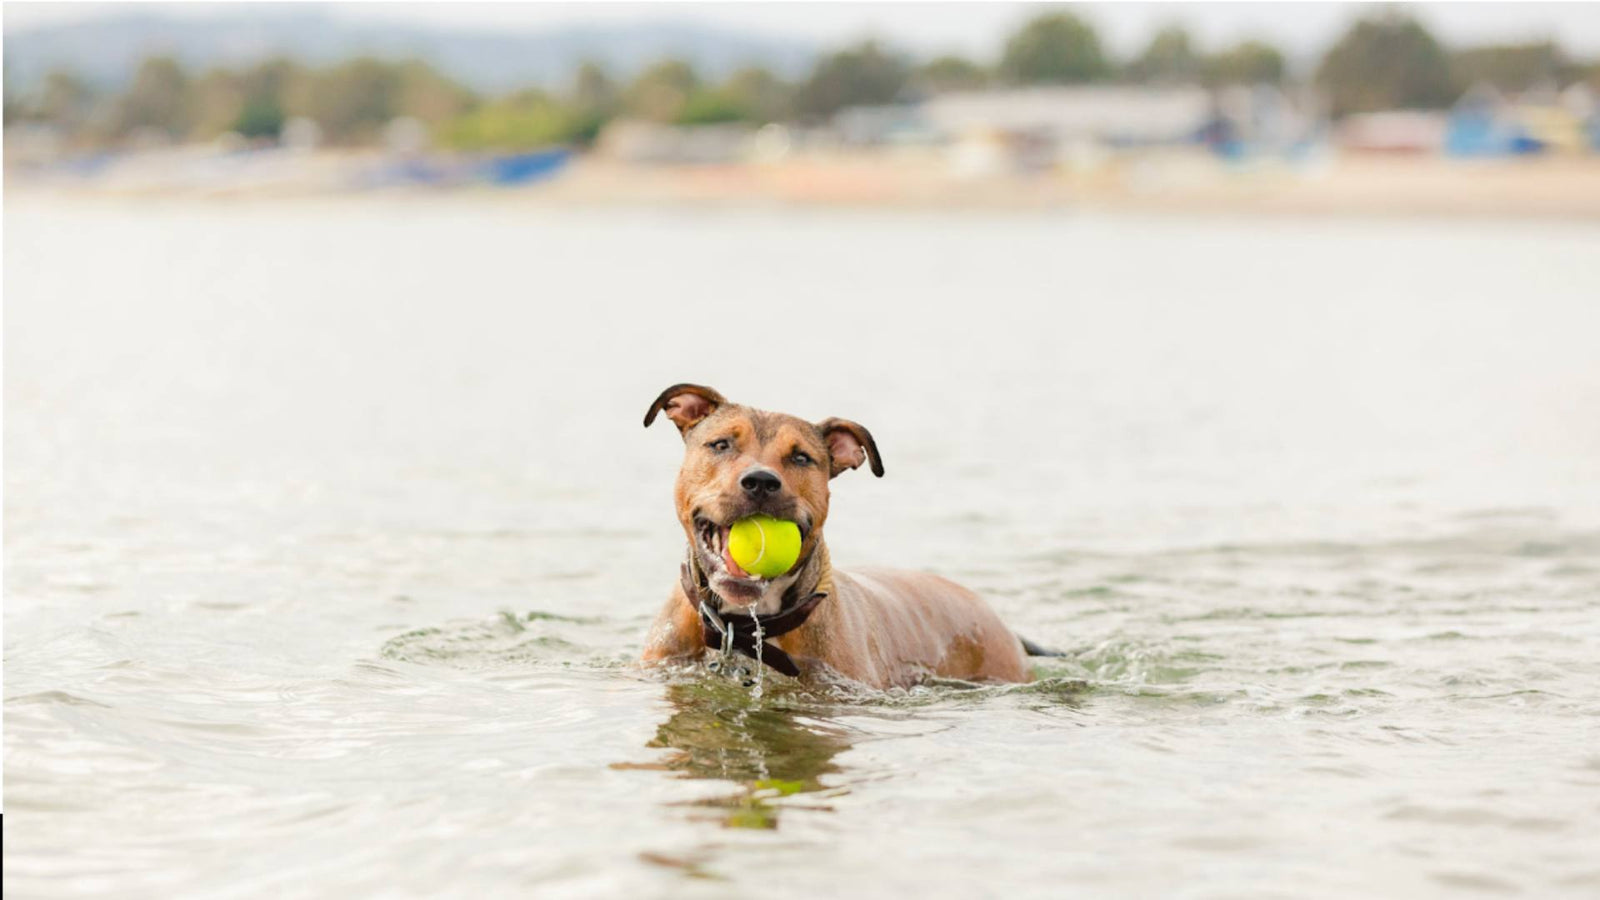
(511, 640)
(1476, 817)
(53, 697)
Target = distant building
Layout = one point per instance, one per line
(880, 126)
(1487, 123)
(1039, 126)
(1395, 131)
(1583, 102)
(1555, 120)
(301, 134)
(1264, 119)
(1114, 115)
(648, 142)
(1479, 124)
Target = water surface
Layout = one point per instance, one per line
(331, 533)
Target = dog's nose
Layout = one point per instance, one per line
(760, 481)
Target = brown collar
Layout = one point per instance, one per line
(739, 630)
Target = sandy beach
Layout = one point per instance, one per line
(1558, 188)
(1176, 182)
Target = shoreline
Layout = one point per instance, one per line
(1565, 188)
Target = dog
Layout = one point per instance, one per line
(880, 628)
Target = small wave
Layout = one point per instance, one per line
(54, 697)
(533, 639)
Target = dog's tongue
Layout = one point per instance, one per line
(727, 559)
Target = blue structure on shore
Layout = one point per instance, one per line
(525, 168)
(505, 170)
(1481, 127)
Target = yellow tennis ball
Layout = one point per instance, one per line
(764, 546)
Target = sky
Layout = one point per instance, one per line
(1303, 30)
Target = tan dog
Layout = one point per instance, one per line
(880, 628)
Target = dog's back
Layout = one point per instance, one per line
(885, 628)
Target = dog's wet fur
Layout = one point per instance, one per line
(880, 628)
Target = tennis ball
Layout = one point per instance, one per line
(764, 546)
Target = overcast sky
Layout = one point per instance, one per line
(1302, 29)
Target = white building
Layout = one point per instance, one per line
(1107, 114)
(648, 142)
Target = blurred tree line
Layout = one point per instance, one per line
(1384, 61)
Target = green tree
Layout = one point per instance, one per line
(1512, 67)
(65, 99)
(1170, 57)
(951, 73)
(426, 94)
(1250, 62)
(14, 109)
(762, 95)
(160, 98)
(259, 118)
(218, 97)
(593, 99)
(858, 76)
(265, 89)
(1055, 48)
(749, 95)
(354, 100)
(593, 91)
(525, 120)
(661, 91)
(1386, 62)
(711, 107)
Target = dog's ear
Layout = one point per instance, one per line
(849, 445)
(685, 405)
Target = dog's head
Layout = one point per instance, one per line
(742, 462)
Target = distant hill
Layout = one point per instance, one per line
(107, 50)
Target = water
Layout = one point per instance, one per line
(331, 533)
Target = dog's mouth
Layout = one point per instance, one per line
(727, 578)
(714, 547)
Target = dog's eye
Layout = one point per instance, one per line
(720, 444)
(801, 459)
